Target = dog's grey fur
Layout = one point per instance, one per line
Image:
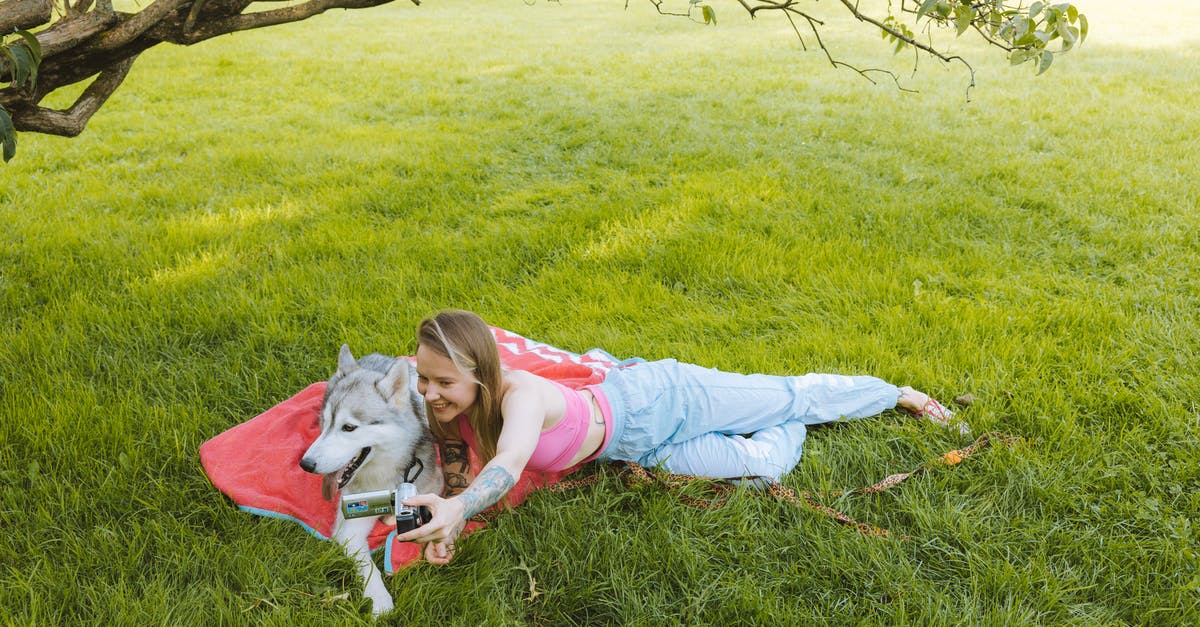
(372, 402)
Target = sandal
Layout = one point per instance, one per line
(937, 413)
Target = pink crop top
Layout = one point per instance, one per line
(559, 444)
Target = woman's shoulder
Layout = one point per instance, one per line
(524, 378)
(520, 384)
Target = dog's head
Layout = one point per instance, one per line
(370, 424)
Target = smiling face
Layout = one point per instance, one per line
(447, 390)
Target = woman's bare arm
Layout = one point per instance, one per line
(523, 417)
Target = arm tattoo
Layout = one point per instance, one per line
(456, 466)
(489, 486)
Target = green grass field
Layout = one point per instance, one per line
(592, 176)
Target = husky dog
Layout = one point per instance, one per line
(374, 436)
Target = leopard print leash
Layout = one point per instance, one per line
(635, 475)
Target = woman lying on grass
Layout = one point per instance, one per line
(687, 418)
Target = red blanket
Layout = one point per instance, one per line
(256, 463)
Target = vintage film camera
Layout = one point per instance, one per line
(384, 502)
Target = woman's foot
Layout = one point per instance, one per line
(922, 405)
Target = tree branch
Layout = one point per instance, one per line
(928, 48)
(789, 9)
(812, 24)
(658, 6)
(23, 14)
(248, 21)
(71, 122)
(77, 28)
(766, 5)
(853, 7)
(82, 39)
(135, 25)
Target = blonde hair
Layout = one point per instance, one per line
(467, 341)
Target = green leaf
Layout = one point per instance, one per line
(1067, 32)
(925, 8)
(1083, 27)
(710, 16)
(1072, 13)
(963, 15)
(1047, 59)
(32, 58)
(32, 43)
(1070, 43)
(1035, 8)
(1019, 56)
(1052, 17)
(8, 135)
(6, 59)
(23, 66)
(1021, 27)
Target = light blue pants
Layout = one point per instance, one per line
(701, 421)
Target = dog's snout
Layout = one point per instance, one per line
(307, 465)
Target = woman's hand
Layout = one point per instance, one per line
(446, 522)
(439, 553)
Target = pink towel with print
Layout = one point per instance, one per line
(257, 463)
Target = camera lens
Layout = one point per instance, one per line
(404, 491)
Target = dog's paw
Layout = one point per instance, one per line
(381, 604)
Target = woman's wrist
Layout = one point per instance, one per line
(487, 488)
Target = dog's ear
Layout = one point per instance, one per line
(346, 362)
(395, 381)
